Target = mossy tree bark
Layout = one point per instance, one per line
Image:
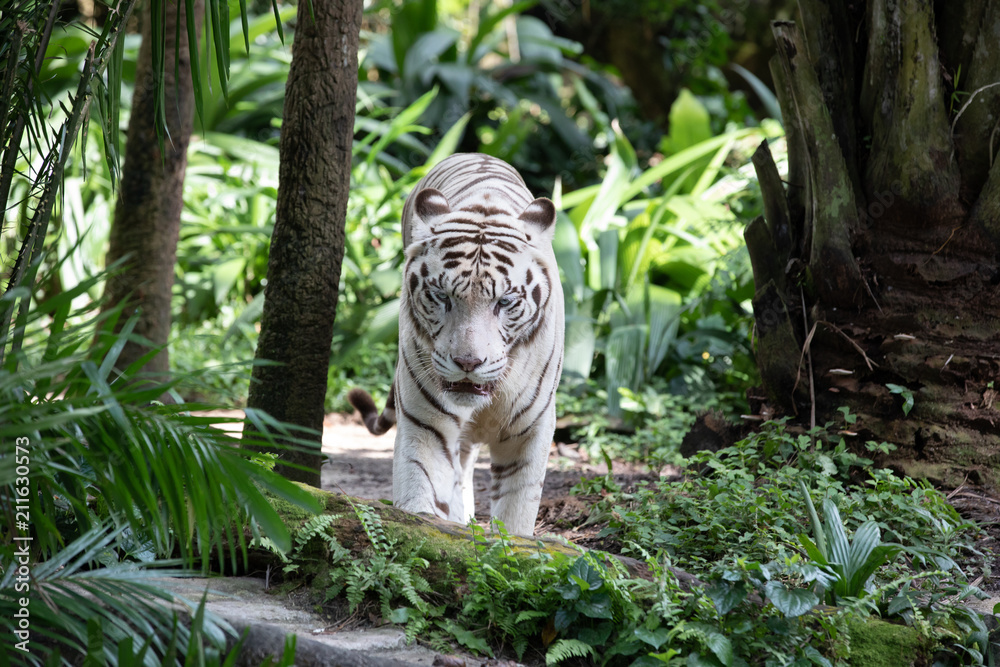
(881, 258)
(307, 245)
(147, 218)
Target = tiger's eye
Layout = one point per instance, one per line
(505, 301)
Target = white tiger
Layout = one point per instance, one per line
(480, 344)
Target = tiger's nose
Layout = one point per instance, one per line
(467, 364)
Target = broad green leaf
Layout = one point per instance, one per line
(792, 602)
(583, 570)
(224, 277)
(624, 354)
(726, 596)
(427, 49)
(720, 645)
(690, 123)
(566, 246)
(664, 319)
(607, 242)
(581, 341)
(597, 606)
(840, 548)
(655, 638)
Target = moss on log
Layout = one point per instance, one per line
(448, 546)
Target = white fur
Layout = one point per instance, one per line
(431, 472)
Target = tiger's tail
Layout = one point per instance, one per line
(377, 423)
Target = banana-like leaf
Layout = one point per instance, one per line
(664, 319)
(624, 359)
(607, 242)
(839, 547)
(566, 245)
(581, 341)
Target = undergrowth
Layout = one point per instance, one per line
(886, 546)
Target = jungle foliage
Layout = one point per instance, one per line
(658, 285)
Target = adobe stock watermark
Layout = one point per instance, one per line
(22, 539)
(879, 204)
(730, 19)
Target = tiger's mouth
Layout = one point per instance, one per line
(467, 387)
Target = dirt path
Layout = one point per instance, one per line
(360, 464)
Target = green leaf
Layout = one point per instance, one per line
(664, 320)
(566, 245)
(580, 343)
(840, 548)
(584, 571)
(624, 356)
(596, 636)
(790, 602)
(488, 23)
(720, 645)
(906, 393)
(655, 638)
(899, 603)
(814, 552)
(607, 242)
(726, 596)
(598, 606)
(567, 648)
(690, 123)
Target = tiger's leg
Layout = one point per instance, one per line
(426, 469)
(517, 465)
(469, 454)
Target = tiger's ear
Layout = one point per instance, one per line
(430, 203)
(541, 216)
(427, 205)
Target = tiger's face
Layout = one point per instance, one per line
(478, 285)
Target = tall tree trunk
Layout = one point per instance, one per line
(882, 259)
(307, 246)
(148, 215)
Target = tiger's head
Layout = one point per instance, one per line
(478, 281)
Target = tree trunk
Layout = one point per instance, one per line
(881, 259)
(308, 242)
(148, 215)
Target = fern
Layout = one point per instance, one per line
(568, 648)
(270, 545)
(318, 526)
(371, 522)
